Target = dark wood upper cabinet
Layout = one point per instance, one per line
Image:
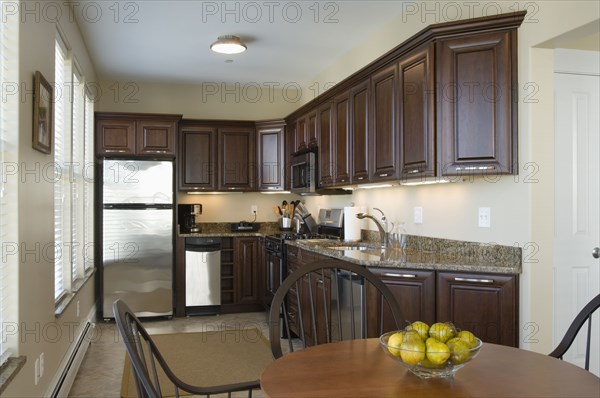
(155, 137)
(383, 137)
(326, 144)
(290, 148)
(342, 139)
(477, 121)
(417, 113)
(237, 159)
(485, 304)
(359, 130)
(271, 156)
(136, 134)
(115, 137)
(312, 129)
(197, 158)
(301, 140)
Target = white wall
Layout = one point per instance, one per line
(39, 330)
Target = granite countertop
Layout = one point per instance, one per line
(223, 230)
(425, 253)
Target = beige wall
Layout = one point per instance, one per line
(39, 330)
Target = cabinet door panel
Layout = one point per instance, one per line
(417, 113)
(271, 159)
(384, 141)
(485, 304)
(342, 140)
(301, 134)
(155, 138)
(414, 292)
(198, 158)
(237, 165)
(312, 129)
(477, 120)
(326, 147)
(359, 131)
(248, 272)
(115, 137)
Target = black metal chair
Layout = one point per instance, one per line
(585, 315)
(314, 304)
(145, 360)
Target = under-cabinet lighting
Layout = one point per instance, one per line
(213, 193)
(276, 192)
(426, 182)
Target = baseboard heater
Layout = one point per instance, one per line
(70, 366)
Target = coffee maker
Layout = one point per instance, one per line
(187, 217)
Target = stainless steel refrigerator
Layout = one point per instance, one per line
(137, 236)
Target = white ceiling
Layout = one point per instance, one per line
(168, 41)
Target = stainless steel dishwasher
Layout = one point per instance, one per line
(202, 276)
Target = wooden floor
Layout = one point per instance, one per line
(102, 367)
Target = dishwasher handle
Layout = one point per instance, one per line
(203, 249)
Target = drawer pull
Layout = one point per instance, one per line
(383, 175)
(392, 274)
(474, 280)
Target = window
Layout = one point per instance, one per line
(73, 187)
(9, 129)
(62, 159)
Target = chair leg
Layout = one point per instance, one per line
(588, 343)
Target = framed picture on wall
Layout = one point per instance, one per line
(43, 114)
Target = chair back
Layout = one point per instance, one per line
(585, 315)
(146, 359)
(327, 301)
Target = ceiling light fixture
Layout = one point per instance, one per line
(228, 45)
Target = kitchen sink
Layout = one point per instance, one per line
(355, 247)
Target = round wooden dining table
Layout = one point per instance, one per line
(360, 368)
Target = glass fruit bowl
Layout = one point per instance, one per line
(429, 364)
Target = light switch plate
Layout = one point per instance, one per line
(485, 217)
(418, 215)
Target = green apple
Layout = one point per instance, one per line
(442, 331)
(467, 337)
(412, 351)
(421, 327)
(459, 350)
(437, 352)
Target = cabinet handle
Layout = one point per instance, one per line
(475, 280)
(360, 178)
(116, 150)
(392, 274)
(383, 175)
(320, 281)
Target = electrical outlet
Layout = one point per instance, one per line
(254, 209)
(418, 215)
(485, 217)
(41, 365)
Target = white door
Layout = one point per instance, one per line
(577, 200)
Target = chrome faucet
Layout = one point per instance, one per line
(381, 225)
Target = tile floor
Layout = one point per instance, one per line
(102, 367)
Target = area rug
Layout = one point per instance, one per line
(207, 359)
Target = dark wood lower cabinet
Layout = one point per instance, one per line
(247, 283)
(485, 304)
(414, 291)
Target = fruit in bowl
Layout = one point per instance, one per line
(438, 352)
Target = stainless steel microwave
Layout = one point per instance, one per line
(304, 173)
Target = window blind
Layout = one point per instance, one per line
(88, 183)
(62, 152)
(9, 178)
(76, 178)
